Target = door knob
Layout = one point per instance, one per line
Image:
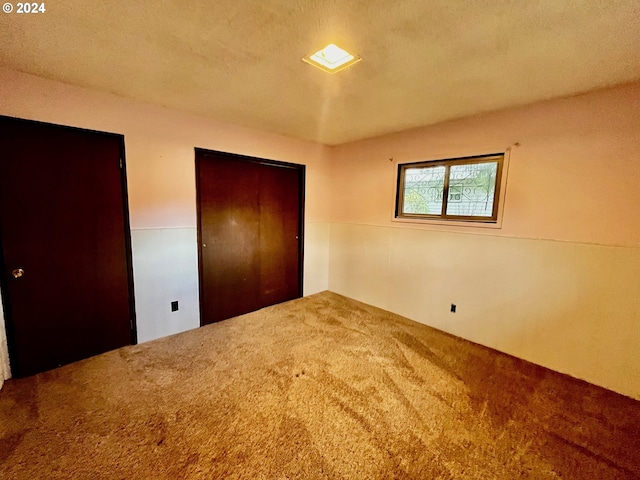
(17, 273)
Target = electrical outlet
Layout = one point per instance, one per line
(174, 306)
(453, 308)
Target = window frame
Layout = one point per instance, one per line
(448, 163)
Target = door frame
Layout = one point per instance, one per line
(4, 288)
(301, 169)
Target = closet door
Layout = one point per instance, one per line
(250, 233)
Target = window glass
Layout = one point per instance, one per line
(471, 189)
(423, 189)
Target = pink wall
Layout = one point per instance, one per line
(574, 177)
(159, 145)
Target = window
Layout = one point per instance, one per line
(463, 189)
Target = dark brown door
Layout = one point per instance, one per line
(66, 259)
(250, 228)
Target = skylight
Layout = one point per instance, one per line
(331, 59)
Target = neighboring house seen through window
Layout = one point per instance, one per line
(461, 189)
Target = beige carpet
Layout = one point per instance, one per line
(321, 387)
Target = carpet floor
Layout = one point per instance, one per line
(322, 387)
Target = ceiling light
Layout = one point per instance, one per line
(331, 59)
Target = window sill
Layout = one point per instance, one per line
(450, 223)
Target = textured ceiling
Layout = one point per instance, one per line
(239, 61)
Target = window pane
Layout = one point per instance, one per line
(471, 189)
(423, 189)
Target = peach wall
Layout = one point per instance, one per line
(574, 176)
(558, 284)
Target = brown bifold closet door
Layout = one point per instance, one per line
(250, 233)
(67, 284)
